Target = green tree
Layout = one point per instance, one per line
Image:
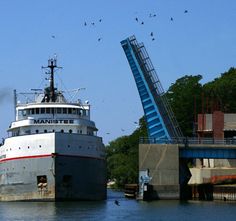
(184, 95)
(220, 93)
(122, 156)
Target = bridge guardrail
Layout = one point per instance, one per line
(188, 140)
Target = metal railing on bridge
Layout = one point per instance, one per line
(188, 140)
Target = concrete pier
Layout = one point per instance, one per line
(162, 161)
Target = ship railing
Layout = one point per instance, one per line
(80, 104)
(188, 140)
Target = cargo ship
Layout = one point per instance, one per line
(52, 152)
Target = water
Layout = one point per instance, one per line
(128, 210)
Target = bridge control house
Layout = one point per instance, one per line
(217, 125)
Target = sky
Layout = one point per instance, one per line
(201, 41)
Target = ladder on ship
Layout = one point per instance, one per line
(161, 122)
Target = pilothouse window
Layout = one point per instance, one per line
(59, 110)
(22, 113)
(31, 111)
(42, 110)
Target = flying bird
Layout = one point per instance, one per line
(85, 23)
(186, 11)
(92, 23)
(151, 34)
(99, 39)
(117, 202)
(171, 19)
(136, 19)
(100, 20)
(153, 39)
(142, 23)
(152, 15)
(53, 36)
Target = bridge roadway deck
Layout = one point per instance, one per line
(207, 148)
(207, 151)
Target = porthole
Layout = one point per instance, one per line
(62, 131)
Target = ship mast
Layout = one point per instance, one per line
(52, 64)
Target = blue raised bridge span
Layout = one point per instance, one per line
(161, 123)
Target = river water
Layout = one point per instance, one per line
(127, 209)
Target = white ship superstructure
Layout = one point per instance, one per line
(53, 151)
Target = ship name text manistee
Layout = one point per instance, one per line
(54, 121)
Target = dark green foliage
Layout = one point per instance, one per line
(184, 95)
(122, 156)
(221, 93)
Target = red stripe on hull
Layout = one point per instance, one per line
(25, 157)
(47, 155)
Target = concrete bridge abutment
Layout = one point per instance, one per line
(162, 162)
